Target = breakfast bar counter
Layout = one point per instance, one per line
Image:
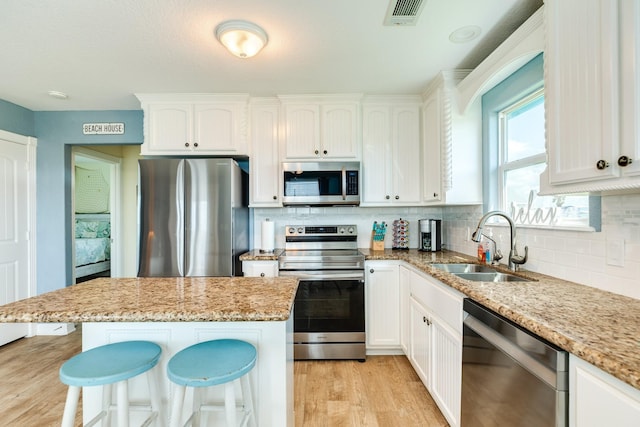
(176, 313)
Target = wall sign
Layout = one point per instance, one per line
(103, 128)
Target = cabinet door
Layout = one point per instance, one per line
(420, 341)
(630, 111)
(260, 268)
(405, 313)
(339, 134)
(264, 159)
(217, 129)
(302, 131)
(376, 154)
(431, 184)
(170, 128)
(581, 89)
(406, 155)
(383, 305)
(446, 370)
(598, 399)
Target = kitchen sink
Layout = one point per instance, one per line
(479, 273)
(464, 268)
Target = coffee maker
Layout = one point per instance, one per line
(430, 235)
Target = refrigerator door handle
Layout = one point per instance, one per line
(179, 203)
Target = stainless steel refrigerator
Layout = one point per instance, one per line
(194, 219)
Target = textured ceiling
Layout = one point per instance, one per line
(101, 52)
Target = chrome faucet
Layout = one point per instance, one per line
(514, 258)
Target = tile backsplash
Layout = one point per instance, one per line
(608, 260)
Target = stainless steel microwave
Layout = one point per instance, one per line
(321, 183)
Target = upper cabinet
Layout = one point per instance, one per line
(321, 127)
(592, 95)
(391, 151)
(452, 152)
(264, 161)
(194, 124)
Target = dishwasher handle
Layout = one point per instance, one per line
(521, 357)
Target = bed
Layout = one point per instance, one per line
(93, 244)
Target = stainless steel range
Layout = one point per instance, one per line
(329, 305)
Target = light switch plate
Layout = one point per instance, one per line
(615, 252)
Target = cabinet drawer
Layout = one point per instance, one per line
(442, 302)
(260, 268)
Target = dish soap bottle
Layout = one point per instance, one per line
(487, 252)
(481, 252)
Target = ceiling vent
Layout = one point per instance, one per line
(403, 12)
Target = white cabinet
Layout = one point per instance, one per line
(599, 399)
(260, 268)
(382, 312)
(405, 315)
(264, 160)
(321, 127)
(391, 151)
(592, 95)
(194, 124)
(436, 341)
(452, 151)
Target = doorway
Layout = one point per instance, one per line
(96, 214)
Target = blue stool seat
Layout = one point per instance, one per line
(208, 364)
(108, 365)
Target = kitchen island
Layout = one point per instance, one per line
(175, 313)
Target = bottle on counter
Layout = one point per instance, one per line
(481, 253)
(487, 252)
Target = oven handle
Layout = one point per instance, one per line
(344, 183)
(314, 275)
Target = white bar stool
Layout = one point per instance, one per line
(108, 365)
(208, 364)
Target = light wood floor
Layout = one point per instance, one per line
(384, 391)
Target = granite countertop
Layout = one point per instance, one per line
(200, 299)
(256, 255)
(600, 327)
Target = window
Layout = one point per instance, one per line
(522, 160)
(514, 156)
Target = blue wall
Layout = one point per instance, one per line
(16, 119)
(57, 132)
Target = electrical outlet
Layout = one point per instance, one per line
(615, 252)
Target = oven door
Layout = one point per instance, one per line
(328, 315)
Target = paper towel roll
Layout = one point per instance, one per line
(268, 236)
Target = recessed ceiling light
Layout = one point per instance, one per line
(57, 94)
(465, 34)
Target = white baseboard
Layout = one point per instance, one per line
(55, 328)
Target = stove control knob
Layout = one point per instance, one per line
(292, 230)
(341, 230)
(351, 230)
(300, 230)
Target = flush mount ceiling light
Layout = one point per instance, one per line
(243, 39)
(465, 34)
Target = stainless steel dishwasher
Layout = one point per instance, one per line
(510, 377)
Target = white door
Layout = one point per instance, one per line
(14, 231)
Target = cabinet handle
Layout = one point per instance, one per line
(624, 161)
(387, 197)
(397, 197)
(261, 274)
(371, 271)
(325, 152)
(186, 144)
(195, 144)
(602, 164)
(316, 152)
(435, 194)
(275, 197)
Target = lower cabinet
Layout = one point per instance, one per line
(599, 399)
(382, 311)
(260, 268)
(435, 341)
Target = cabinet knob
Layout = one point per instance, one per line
(195, 144)
(387, 197)
(261, 274)
(624, 161)
(602, 164)
(186, 144)
(435, 194)
(316, 152)
(324, 152)
(371, 271)
(397, 197)
(275, 197)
